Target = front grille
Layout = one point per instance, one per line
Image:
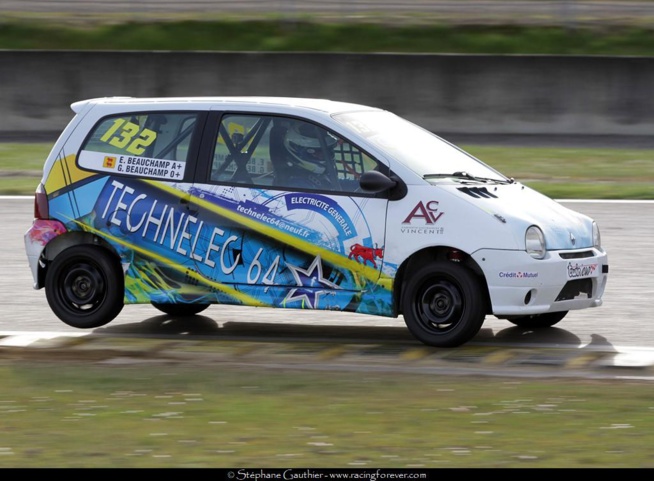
(576, 255)
(576, 288)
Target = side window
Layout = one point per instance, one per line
(306, 155)
(242, 154)
(152, 145)
(350, 164)
(285, 153)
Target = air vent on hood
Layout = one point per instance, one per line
(478, 192)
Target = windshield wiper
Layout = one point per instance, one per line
(467, 176)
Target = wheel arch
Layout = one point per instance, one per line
(437, 254)
(63, 242)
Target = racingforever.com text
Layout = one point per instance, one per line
(297, 474)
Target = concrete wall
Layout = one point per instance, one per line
(476, 94)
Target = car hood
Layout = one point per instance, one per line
(518, 205)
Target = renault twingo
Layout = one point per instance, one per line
(183, 203)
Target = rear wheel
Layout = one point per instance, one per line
(443, 304)
(538, 320)
(179, 310)
(84, 286)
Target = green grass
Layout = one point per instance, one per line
(93, 416)
(562, 173)
(575, 173)
(307, 34)
(21, 167)
(17, 157)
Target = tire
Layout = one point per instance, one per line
(84, 286)
(538, 320)
(443, 304)
(180, 310)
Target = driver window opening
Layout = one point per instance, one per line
(285, 153)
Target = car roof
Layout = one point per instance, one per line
(323, 105)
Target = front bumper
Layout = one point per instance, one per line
(565, 280)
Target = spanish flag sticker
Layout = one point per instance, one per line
(109, 162)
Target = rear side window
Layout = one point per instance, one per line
(154, 145)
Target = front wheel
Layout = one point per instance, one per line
(538, 320)
(443, 304)
(84, 286)
(180, 310)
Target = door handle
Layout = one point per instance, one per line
(186, 203)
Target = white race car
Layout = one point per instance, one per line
(297, 203)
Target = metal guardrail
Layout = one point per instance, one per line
(463, 11)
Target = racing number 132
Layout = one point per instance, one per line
(124, 139)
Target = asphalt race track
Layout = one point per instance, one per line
(625, 319)
(615, 340)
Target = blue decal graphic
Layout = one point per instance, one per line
(311, 284)
(326, 206)
(180, 243)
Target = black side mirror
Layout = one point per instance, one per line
(374, 181)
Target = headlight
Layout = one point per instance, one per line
(535, 242)
(597, 240)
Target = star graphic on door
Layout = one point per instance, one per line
(311, 284)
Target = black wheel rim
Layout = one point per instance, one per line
(439, 306)
(82, 287)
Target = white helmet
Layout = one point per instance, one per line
(307, 144)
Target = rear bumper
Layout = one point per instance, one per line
(36, 238)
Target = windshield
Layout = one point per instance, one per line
(423, 152)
